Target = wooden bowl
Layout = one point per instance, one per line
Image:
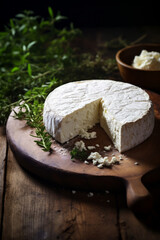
(149, 79)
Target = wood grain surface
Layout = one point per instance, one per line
(35, 209)
(59, 168)
(42, 211)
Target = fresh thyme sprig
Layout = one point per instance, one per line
(32, 113)
(77, 154)
(32, 51)
(119, 42)
(30, 108)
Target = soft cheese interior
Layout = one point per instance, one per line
(124, 111)
(83, 118)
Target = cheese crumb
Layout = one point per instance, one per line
(107, 148)
(87, 135)
(100, 165)
(107, 163)
(94, 156)
(86, 162)
(91, 147)
(100, 161)
(73, 191)
(94, 162)
(80, 145)
(97, 145)
(136, 163)
(114, 160)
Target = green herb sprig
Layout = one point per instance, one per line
(77, 154)
(32, 51)
(30, 108)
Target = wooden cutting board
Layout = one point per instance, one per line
(59, 168)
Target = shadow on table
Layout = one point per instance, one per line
(152, 217)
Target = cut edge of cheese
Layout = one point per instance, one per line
(84, 118)
(129, 135)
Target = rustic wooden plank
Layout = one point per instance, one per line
(138, 227)
(3, 147)
(38, 210)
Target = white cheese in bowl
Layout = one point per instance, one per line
(123, 110)
(147, 60)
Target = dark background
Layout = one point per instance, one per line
(88, 13)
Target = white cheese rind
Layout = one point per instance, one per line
(123, 110)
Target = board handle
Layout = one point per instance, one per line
(138, 197)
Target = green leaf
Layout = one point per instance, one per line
(77, 154)
(12, 23)
(59, 18)
(24, 48)
(50, 12)
(14, 69)
(24, 57)
(3, 69)
(13, 31)
(22, 27)
(20, 15)
(31, 44)
(29, 70)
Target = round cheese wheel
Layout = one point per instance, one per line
(123, 110)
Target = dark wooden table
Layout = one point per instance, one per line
(34, 209)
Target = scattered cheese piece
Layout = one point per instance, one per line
(100, 161)
(114, 160)
(87, 135)
(86, 162)
(91, 147)
(107, 148)
(94, 156)
(136, 163)
(94, 162)
(100, 165)
(107, 163)
(80, 145)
